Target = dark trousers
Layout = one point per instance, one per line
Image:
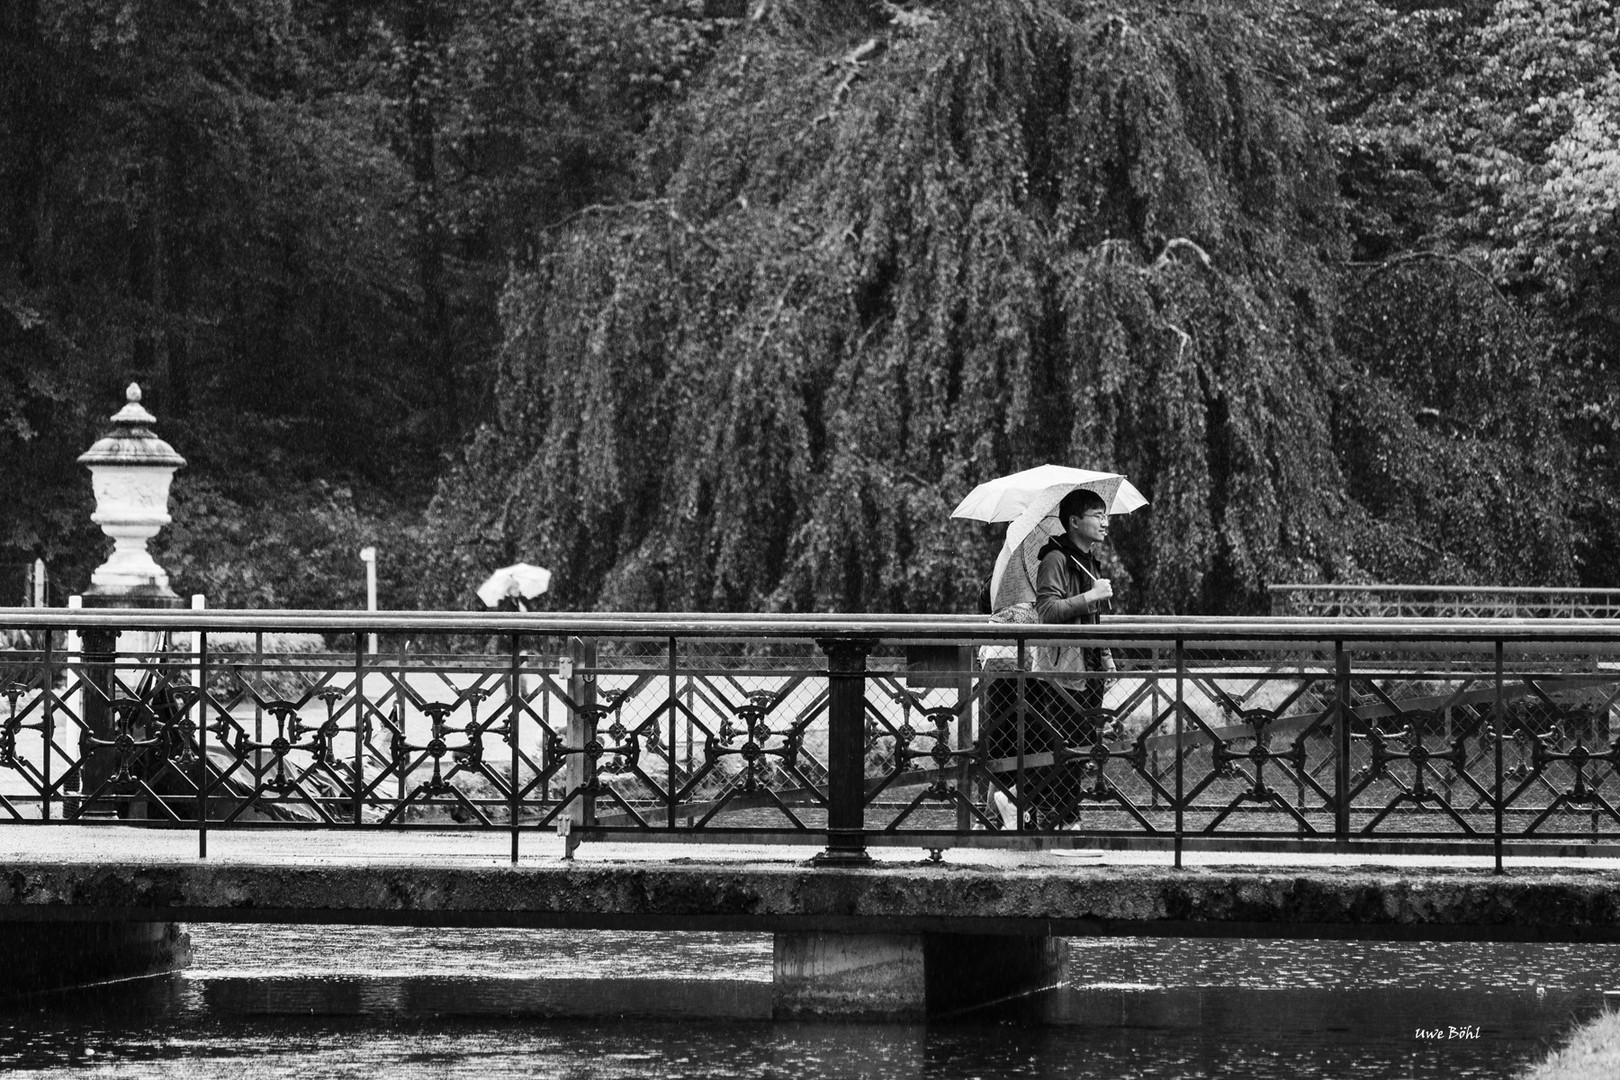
(1054, 723)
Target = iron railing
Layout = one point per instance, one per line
(1415, 735)
(1441, 602)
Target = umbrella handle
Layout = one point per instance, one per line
(1082, 568)
(1093, 577)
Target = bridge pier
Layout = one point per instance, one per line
(43, 956)
(912, 977)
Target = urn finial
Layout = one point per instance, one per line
(130, 472)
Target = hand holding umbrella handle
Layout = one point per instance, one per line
(1103, 585)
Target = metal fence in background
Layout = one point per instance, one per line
(845, 732)
(1441, 602)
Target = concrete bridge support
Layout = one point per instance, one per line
(43, 956)
(912, 977)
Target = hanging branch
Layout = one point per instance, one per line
(1180, 243)
(853, 62)
(1467, 265)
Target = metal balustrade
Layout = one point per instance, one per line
(845, 732)
(1442, 602)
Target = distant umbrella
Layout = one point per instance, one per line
(518, 582)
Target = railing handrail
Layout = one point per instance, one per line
(889, 627)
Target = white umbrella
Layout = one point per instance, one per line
(519, 580)
(1005, 497)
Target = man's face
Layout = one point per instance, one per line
(1090, 527)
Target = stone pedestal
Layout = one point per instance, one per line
(912, 977)
(101, 690)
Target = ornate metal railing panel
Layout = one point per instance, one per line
(848, 731)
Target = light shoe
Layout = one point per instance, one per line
(1005, 808)
(1077, 853)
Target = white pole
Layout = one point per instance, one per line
(368, 555)
(73, 647)
(39, 582)
(199, 602)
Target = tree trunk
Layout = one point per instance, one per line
(23, 51)
(423, 31)
(146, 270)
(177, 332)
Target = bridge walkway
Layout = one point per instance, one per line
(117, 872)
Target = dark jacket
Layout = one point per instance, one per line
(1065, 572)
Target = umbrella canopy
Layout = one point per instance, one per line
(1006, 497)
(520, 580)
(1029, 500)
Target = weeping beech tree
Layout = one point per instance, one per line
(885, 254)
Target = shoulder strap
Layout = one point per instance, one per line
(1056, 544)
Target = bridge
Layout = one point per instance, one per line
(902, 938)
(1406, 779)
(463, 879)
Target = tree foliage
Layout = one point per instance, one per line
(725, 304)
(289, 222)
(1476, 147)
(877, 259)
(191, 202)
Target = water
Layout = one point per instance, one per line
(268, 1002)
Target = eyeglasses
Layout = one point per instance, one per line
(1100, 515)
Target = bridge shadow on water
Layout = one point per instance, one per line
(352, 1001)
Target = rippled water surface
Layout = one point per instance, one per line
(411, 1003)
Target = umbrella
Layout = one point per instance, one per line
(519, 580)
(1005, 497)
(1029, 500)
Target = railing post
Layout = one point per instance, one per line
(1499, 721)
(1180, 748)
(200, 703)
(846, 751)
(362, 728)
(1021, 712)
(580, 774)
(514, 707)
(47, 693)
(672, 691)
(199, 680)
(1341, 739)
(73, 704)
(100, 656)
(966, 732)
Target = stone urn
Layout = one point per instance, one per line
(130, 471)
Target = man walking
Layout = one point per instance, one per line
(1070, 590)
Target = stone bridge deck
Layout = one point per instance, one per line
(123, 874)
